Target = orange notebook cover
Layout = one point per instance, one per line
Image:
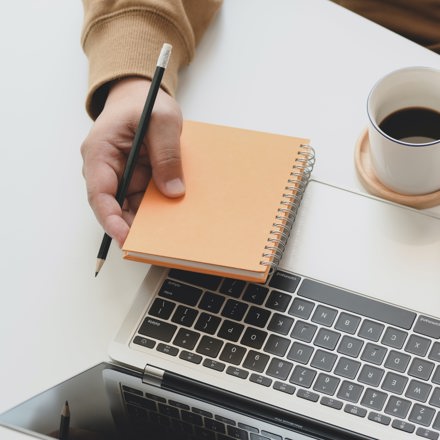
(242, 190)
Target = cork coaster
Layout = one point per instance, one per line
(372, 184)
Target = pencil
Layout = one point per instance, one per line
(64, 422)
(144, 121)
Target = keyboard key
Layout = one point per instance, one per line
(167, 349)
(214, 425)
(284, 281)
(168, 410)
(203, 433)
(371, 375)
(379, 418)
(184, 316)
(284, 387)
(214, 365)
(307, 395)
(394, 337)
(247, 427)
(434, 354)
(371, 330)
(301, 308)
(300, 353)
(397, 361)
(426, 433)
(186, 339)
(156, 329)
(303, 331)
(418, 390)
(326, 384)
(436, 377)
(234, 310)
(278, 301)
(347, 368)
(417, 345)
(256, 361)
(435, 398)
(279, 368)
(422, 415)
(428, 326)
(394, 383)
(237, 433)
(161, 308)
(374, 354)
(280, 324)
(403, 426)
(179, 292)
(332, 403)
(237, 372)
(350, 391)
(350, 346)
(355, 410)
(327, 339)
(209, 346)
(261, 380)
(347, 323)
(232, 354)
(397, 407)
(323, 360)
(421, 369)
(207, 323)
(266, 434)
(277, 345)
(190, 357)
(324, 316)
(255, 293)
(357, 304)
(374, 399)
(232, 287)
(257, 317)
(253, 338)
(302, 376)
(191, 418)
(212, 302)
(230, 330)
(144, 342)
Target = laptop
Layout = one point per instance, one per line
(342, 342)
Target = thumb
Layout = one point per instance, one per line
(166, 162)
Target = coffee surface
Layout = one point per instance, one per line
(413, 124)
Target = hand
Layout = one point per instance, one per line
(106, 148)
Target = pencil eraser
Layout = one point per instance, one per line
(164, 56)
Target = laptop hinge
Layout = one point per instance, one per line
(153, 375)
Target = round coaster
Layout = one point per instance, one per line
(368, 178)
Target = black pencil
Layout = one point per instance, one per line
(137, 142)
(64, 422)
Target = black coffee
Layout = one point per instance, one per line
(413, 124)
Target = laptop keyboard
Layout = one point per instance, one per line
(172, 419)
(305, 338)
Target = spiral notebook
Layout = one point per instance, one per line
(243, 189)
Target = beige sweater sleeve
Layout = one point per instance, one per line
(124, 37)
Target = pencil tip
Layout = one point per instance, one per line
(99, 264)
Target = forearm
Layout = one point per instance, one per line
(123, 38)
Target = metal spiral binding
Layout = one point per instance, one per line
(289, 205)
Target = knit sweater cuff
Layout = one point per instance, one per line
(128, 43)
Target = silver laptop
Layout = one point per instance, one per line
(342, 342)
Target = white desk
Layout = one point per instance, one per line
(303, 69)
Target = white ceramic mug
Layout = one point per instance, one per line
(408, 165)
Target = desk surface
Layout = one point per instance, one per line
(305, 69)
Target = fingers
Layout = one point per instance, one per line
(163, 143)
(106, 148)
